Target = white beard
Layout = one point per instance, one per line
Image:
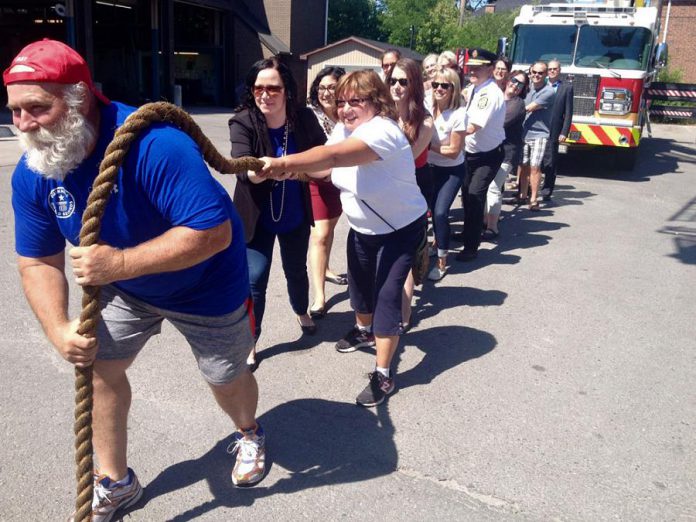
(54, 152)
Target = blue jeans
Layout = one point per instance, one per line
(446, 183)
(293, 254)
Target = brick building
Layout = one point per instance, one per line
(139, 50)
(681, 36)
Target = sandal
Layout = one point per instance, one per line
(317, 313)
(534, 207)
(340, 280)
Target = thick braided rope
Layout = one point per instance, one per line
(89, 235)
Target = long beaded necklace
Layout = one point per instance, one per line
(275, 183)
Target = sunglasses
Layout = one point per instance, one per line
(516, 82)
(353, 102)
(401, 81)
(538, 73)
(324, 88)
(442, 85)
(271, 90)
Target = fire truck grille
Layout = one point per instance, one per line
(585, 90)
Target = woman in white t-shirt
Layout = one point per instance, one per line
(446, 158)
(372, 165)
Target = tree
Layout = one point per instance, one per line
(398, 16)
(482, 30)
(353, 18)
(432, 35)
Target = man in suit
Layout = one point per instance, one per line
(561, 116)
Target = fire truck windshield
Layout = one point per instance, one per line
(613, 47)
(597, 46)
(543, 42)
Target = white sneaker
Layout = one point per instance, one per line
(437, 273)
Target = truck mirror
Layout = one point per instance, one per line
(502, 46)
(661, 55)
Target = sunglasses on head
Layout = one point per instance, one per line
(353, 102)
(401, 81)
(441, 85)
(271, 90)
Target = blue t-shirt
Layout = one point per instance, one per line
(285, 209)
(163, 183)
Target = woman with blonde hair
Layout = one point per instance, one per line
(446, 158)
(372, 165)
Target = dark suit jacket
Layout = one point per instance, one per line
(561, 116)
(249, 137)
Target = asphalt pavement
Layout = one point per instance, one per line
(553, 378)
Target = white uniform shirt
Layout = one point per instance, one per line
(388, 185)
(450, 121)
(487, 110)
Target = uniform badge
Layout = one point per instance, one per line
(474, 53)
(482, 102)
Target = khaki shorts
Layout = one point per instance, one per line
(220, 344)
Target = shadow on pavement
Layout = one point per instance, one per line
(682, 225)
(665, 155)
(347, 444)
(443, 347)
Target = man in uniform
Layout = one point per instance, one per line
(173, 248)
(485, 112)
(561, 118)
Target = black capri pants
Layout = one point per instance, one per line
(377, 269)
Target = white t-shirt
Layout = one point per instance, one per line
(487, 110)
(388, 185)
(449, 121)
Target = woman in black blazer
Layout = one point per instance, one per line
(269, 122)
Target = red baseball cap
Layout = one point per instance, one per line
(52, 62)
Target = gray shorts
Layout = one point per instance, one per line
(220, 344)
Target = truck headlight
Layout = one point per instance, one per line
(615, 101)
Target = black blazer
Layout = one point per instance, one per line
(562, 112)
(249, 137)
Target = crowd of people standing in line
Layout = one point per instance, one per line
(385, 150)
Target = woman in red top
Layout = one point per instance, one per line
(406, 87)
(326, 201)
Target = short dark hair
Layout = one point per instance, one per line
(391, 50)
(505, 60)
(329, 70)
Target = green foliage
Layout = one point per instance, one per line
(397, 17)
(354, 18)
(668, 75)
(482, 30)
(434, 31)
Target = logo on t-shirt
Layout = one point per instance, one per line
(62, 202)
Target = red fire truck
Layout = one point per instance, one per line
(609, 50)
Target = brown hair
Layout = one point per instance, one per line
(414, 97)
(366, 84)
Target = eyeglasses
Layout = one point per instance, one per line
(537, 73)
(388, 65)
(324, 88)
(501, 69)
(441, 85)
(353, 102)
(401, 81)
(553, 69)
(271, 90)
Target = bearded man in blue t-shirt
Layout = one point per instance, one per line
(172, 248)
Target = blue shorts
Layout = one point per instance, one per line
(219, 343)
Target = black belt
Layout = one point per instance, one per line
(499, 148)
